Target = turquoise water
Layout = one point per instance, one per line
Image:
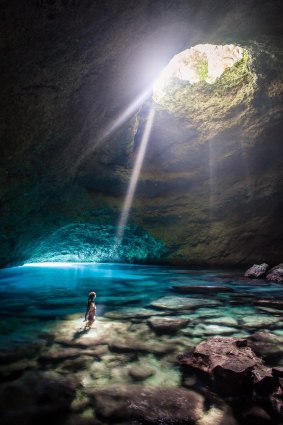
(44, 344)
(33, 297)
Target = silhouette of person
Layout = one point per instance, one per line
(90, 313)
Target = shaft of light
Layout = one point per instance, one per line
(134, 178)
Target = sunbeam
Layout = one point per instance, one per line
(131, 109)
(134, 178)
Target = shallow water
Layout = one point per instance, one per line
(42, 311)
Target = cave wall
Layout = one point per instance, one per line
(211, 195)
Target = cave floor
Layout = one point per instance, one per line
(124, 370)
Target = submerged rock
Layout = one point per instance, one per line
(167, 325)
(150, 405)
(141, 372)
(257, 270)
(202, 289)
(276, 274)
(180, 303)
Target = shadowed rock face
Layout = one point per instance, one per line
(210, 190)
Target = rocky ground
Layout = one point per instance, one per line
(125, 370)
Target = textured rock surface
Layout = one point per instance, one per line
(233, 368)
(276, 274)
(257, 270)
(211, 183)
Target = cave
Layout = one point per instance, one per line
(141, 159)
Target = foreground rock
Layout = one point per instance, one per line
(276, 274)
(234, 369)
(150, 405)
(257, 270)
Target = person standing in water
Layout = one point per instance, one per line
(90, 313)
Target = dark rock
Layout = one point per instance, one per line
(273, 303)
(36, 397)
(276, 274)
(149, 405)
(256, 415)
(231, 365)
(167, 325)
(257, 270)
(278, 371)
(202, 289)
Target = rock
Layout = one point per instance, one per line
(167, 325)
(141, 372)
(266, 345)
(202, 289)
(231, 365)
(37, 397)
(277, 304)
(130, 345)
(133, 313)
(257, 270)
(150, 405)
(260, 321)
(256, 415)
(276, 274)
(178, 303)
(222, 321)
(67, 353)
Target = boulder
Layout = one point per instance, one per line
(167, 325)
(257, 270)
(276, 274)
(147, 405)
(232, 366)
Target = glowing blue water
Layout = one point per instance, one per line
(33, 298)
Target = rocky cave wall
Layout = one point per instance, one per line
(210, 191)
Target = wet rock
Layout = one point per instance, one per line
(67, 353)
(222, 321)
(36, 397)
(257, 270)
(129, 345)
(27, 351)
(202, 289)
(260, 321)
(256, 415)
(150, 405)
(179, 303)
(231, 365)
(266, 345)
(167, 325)
(141, 372)
(276, 274)
(273, 303)
(133, 313)
(14, 370)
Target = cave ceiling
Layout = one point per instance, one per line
(210, 190)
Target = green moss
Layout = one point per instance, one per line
(208, 105)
